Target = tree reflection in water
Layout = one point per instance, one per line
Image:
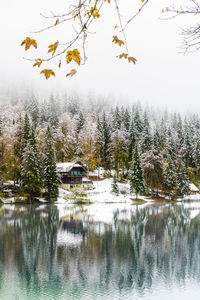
(76, 256)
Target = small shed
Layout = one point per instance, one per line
(193, 189)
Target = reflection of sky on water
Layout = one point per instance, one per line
(71, 252)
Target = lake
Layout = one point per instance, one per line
(100, 251)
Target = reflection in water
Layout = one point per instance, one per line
(78, 256)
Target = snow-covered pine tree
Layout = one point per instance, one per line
(126, 120)
(80, 122)
(30, 173)
(115, 188)
(183, 187)
(53, 107)
(157, 141)
(138, 122)
(50, 174)
(196, 153)
(33, 109)
(36, 150)
(117, 120)
(26, 132)
(146, 142)
(137, 184)
(132, 140)
(103, 142)
(170, 180)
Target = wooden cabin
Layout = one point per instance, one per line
(71, 175)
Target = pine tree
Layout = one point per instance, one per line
(103, 142)
(170, 182)
(137, 183)
(183, 187)
(30, 173)
(53, 112)
(33, 109)
(146, 144)
(157, 141)
(80, 122)
(138, 123)
(26, 132)
(126, 120)
(132, 140)
(115, 188)
(36, 150)
(50, 174)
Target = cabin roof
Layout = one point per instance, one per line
(193, 187)
(67, 166)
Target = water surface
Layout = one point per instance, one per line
(102, 251)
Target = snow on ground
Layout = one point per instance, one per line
(103, 192)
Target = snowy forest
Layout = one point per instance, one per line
(154, 150)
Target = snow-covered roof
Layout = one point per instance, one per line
(193, 187)
(66, 167)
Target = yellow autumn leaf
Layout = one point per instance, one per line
(133, 59)
(69, 56)
(116, 40)
(94, 11)
(28, 42)
(57, 22)
(47, 73)
(73, 54)
(38, 63)
(107, 1)
(53, 47)
(59, 65)
(123, 55)
(76, 56)
(71, 73)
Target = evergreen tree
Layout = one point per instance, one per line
(53, 112)
(157, 141)
(26, 132)
(183, 187)
(196, 153)
(170, 182)
(117, 119)
(103, 142)
(50, 173)
(30, 173)
(132, 140)
(115, 188)
(80, 122)
(138, 122)
(137, 183)
(146, 143)
(36, 150)
(126, 120)
(33, 109)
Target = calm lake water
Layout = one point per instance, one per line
(104, 251)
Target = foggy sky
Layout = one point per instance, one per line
(162, 76)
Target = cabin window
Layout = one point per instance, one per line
(75, 172)
(72, 172)
(79, 172)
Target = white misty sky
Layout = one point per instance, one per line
(161, 77)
